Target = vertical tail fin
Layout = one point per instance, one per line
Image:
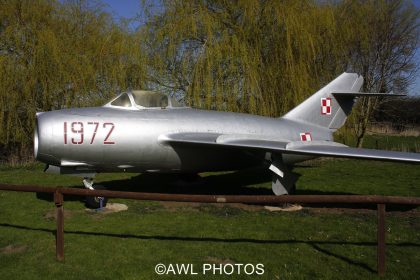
(326, 109)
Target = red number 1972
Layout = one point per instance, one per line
(75, 132)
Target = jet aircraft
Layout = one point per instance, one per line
(145, 131)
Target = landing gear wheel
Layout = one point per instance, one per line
(293, 189)
(95, 202)
(190, 177)
(287, 205)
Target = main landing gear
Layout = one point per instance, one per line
(284, 180)
(94, 202)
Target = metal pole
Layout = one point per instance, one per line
(381, 239)
(255, 199)
(59, 237)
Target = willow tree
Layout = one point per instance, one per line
(265, 57)
(381, 38)
(55, 55)
(260, 57)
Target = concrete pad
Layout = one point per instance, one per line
(288, 208)
(110, 208)
(116, 207)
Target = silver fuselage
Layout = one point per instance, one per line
(115, 140)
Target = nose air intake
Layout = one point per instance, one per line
(36, 135)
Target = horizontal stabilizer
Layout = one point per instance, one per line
(356, 93)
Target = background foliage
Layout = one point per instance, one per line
(257, 56)
(55, 55)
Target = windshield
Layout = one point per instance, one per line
(150, 98)
(122, 101)
(140, 99)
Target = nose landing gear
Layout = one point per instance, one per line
(94, 202)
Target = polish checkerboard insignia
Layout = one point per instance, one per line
(326, 106)
(305, 136)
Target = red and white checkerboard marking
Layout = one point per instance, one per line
(305, 136)
(326, 106)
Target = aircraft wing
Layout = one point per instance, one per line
(310, 148)
(327, 150)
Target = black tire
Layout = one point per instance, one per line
(95, 202)
(293, 189)
(291, 192)
(190, 177)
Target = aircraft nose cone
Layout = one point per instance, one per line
(44, 138)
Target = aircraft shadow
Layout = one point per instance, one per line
(231, 183)
(237, 182)
(228, 183)
(50, 196)
(317, 245)
(241, 182)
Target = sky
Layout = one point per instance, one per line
(132, 8)
(121, 9)
(415, 88)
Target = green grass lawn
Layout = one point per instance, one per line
(386, 142)
(392, 142)
(312, 243)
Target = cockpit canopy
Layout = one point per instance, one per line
(143, 99)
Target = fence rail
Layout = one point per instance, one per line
(380, 201)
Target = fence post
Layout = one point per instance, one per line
(59, 236)
(381, 239)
